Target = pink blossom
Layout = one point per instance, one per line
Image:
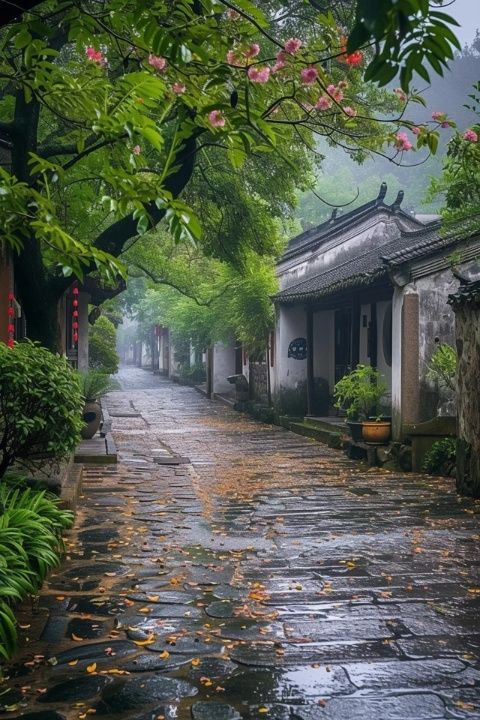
(343, 84)
(335, 92)
(157, 62)
(445, 124)
(401, 95)
(323, 103)
(293, 45)
(437, 115)
(216, 118)
(233, 14)
(179, 88)
(351, 112)
(95, 55)
(402, 142)
(258, 75)
(280, 64)
(252, 51)
(416, 130)
(470, 135)
(136, 150)
(309, 75)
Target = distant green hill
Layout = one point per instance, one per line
(340, 179)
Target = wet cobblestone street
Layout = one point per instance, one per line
(263, 576)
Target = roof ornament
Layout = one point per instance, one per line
(382, 192)
(333, 216)
(398, 200)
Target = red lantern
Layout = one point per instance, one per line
(11, 315)
(75, 293)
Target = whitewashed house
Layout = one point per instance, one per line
(368, 287)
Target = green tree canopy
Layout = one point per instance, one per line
(107, 108)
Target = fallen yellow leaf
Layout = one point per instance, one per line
(91, 668)
(73, 663)
(148, 641)
(77, 638)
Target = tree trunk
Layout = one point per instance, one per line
(38, 299)
(468, 397)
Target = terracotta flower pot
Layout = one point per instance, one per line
(92, 416)
(376, 432)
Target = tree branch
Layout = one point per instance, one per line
(113, 238)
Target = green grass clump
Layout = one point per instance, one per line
(31, 526)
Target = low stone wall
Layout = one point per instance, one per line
(258, 382)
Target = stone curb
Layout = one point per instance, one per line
(71, 486)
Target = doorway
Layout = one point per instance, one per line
(343, 342)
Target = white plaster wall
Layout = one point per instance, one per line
(223, 366)
(161, 359)
(146, 356)
(362, 237)
(173, 365)
(291, 324)
(245, 363)
(83, 300)
(324, 346)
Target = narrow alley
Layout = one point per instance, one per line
(227, 569)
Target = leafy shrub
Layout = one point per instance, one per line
(94, 384)
(40, 406)
(102, 346)
(360, 392)
(442, 367)
(193, 373)
(441, 459)
(31, 545)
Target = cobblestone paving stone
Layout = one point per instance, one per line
(268, 577)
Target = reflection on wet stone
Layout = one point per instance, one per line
(214, 711)
(143, 691)
(75, 689)
(272, 578)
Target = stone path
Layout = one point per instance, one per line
(269, 577)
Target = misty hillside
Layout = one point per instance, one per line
(342, 181)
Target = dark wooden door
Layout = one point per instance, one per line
(343, 342)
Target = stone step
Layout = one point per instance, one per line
(328, 436)
(334, 425)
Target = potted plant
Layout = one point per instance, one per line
(360, 394)
(93, 385)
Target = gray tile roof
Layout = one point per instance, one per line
(367, 268)
(310, 239)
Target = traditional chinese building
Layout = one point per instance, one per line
(368, 287)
